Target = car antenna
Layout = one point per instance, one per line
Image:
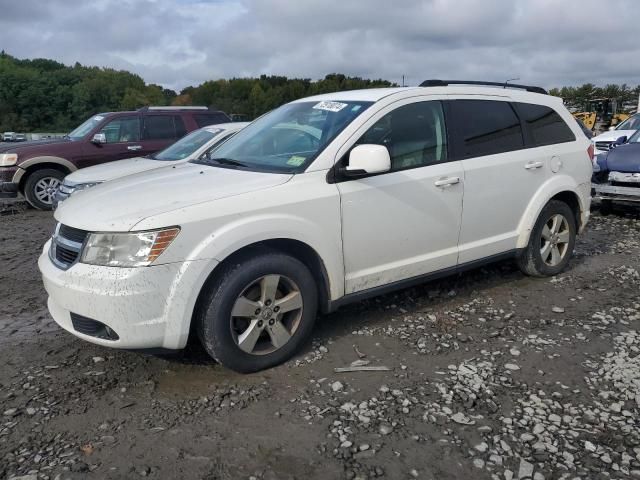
(509, 80)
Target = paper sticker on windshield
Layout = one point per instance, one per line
(296, 161)
(98, 118)
(330, 106)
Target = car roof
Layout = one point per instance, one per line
(376, 94)
(364, 95)
(225, 126)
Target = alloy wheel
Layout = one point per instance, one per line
(554, 241)
(266, 314)
(45, 189)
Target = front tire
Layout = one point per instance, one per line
(41, 186)
(258, 311)
(551, 242)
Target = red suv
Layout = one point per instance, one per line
(36, 169)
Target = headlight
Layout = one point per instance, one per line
(8, 159)
(83, 186)
(135, 249)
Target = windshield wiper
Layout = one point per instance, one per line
(226, 161)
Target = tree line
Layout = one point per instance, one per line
(45, 95)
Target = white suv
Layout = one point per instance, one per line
(323, 201)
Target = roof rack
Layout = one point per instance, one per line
(444, 83)
(147, 108)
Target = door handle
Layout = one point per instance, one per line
(445, 182)
(134, 147)
(533, 165)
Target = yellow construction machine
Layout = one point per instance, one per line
(601, 113)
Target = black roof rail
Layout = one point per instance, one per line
(172, 108)
(444, 83)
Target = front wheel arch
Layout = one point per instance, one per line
(40, 166)
(297, 249)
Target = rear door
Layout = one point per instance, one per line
(123, 141)
(501, 175)
(160, 131)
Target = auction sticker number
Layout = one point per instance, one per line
(330, 106)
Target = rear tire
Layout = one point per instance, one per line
(551, 242)
(258, 311)
(41, 186)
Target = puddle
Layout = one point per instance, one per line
(196, 381)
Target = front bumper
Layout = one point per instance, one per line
(617, 193)
(147, 307)
(8, 189)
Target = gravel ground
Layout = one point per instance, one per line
(491, 375)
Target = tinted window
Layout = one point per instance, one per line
(204, 119)
(414, 134)
(486, 127)
(123, 129)
(181, 131)
(159, 127)
(545, 125)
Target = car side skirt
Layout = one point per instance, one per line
(413, 281)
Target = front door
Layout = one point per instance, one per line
(123, 141)
(404, 223)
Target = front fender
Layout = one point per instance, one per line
(245, 231)
(42, 159)
(552, 187)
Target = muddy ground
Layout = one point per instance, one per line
(493, 374)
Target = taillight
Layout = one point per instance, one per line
(590, 151)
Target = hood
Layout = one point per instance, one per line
(112, 170)
(625, 158)
(31, 145)
(122, 203)
(613, 135)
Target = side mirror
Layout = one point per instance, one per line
(99, 138)
(611, 129)
(368, 159)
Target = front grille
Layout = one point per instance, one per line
(93, 328)
(603, 145)
(73, 234)
(66, 245)
(626, 184)
(66, 255)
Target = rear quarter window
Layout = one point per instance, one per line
(204, 119)
(544, 124)
(485, 127)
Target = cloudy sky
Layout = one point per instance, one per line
(178, 43)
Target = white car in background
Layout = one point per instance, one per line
(195, 145)
(603, 142)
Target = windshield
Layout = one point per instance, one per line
(631, 123)
(186, 145)
(86, 127)
(288, 139)
(635, 138)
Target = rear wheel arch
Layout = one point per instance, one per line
(558, 191)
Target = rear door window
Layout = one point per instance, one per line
(485, 127)
(181, 130)
(159, 127)
(545, 125)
